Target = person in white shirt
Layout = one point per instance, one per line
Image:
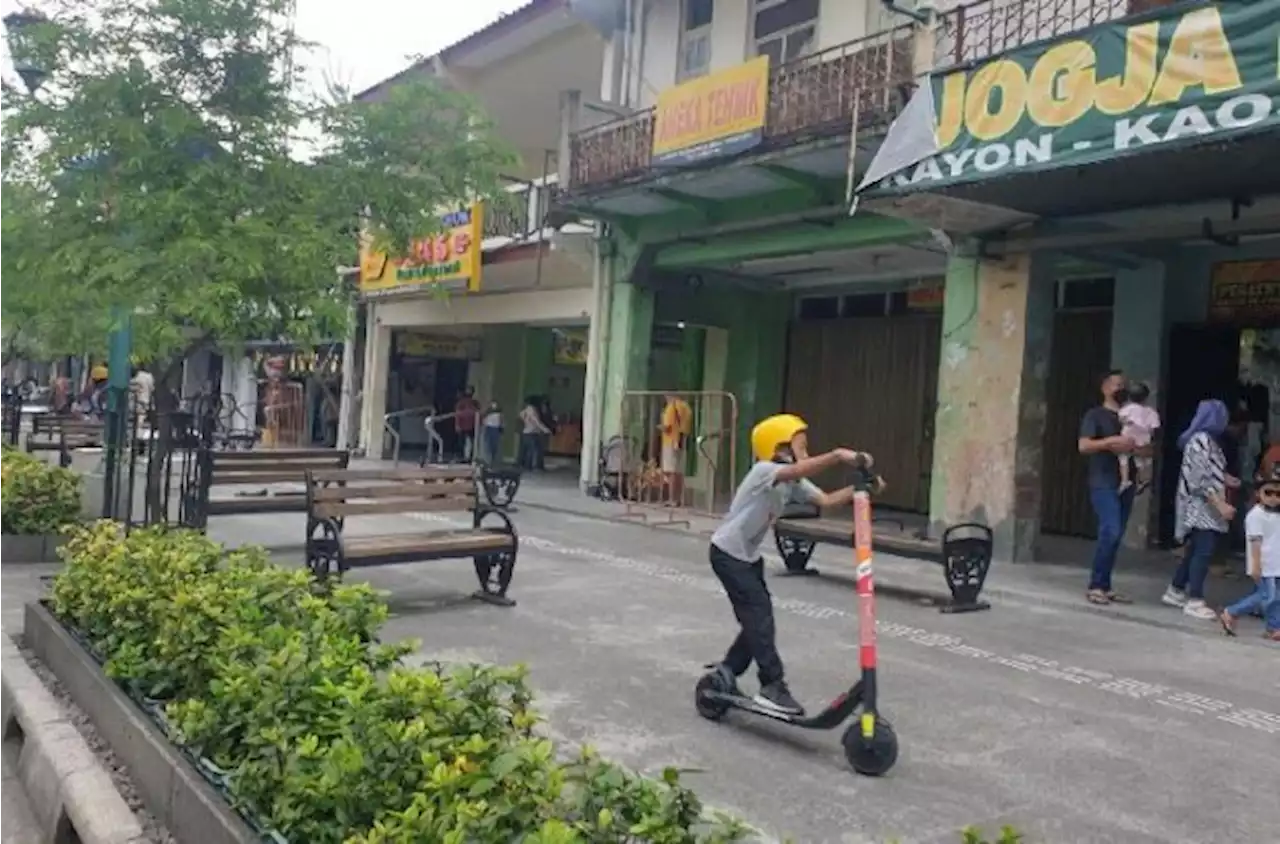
(1262, 530)
(142, 386)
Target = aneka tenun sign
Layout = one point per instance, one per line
(1181, 76)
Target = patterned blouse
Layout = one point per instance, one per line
(1204, 467)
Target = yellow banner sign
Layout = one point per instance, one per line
(450, 258)
(1241, 290)
(718, 114)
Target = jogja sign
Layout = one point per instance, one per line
(1177, 76)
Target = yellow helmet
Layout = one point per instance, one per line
(98, 373)
(774, 431)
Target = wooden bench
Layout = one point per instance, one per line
(333, 496)
(63, 434)
(964, 552)
(221, 469)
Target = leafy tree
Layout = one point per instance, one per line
(174, 165)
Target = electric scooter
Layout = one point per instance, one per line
(870, 744)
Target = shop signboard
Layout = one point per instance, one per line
(1245, 291)
(570, 347)
(449, 258)
(714, 115)
(415, 345)
(1174, 77)
(926, 297)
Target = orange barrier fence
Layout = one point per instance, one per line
(284, 416)
(678, 453)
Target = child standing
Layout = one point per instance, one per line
(1262, 531)
(780, 445)
(1140, 424)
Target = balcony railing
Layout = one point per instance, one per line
(982, 29)
(523, 214)
(815, 95)
(807, 97)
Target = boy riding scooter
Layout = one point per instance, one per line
(779, 477)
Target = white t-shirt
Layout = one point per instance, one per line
(1264, 524)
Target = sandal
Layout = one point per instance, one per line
(1097, 596)
(1228, 623)
(1119, 598)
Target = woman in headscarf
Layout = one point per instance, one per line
(1201, 511)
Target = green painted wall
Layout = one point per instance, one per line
(506, 344)
(626, 354)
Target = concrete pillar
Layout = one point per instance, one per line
(627, 352)
(347, 394)
(989, 446)
(570, 119)
(374, 389)
(597, 334)
(505, 344)
(1137, 347)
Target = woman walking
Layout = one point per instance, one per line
(1201, 510)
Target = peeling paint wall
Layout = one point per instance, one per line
(988, 448)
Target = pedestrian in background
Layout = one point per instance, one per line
(531, 431)
(491, 436)
(466, 412)
(1101, 441)
(1201, 511)
(1262, 537)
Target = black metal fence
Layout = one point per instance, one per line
(12, 417)
(152, 459)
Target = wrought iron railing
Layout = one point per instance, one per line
(810, 96)
(984, 28)
(816, 95)
(521, 215)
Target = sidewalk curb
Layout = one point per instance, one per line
(179, 797)
(68, 788)
(994, 593)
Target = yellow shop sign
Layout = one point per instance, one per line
(718, 114)
(450, 258)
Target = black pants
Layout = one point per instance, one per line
(753, 606)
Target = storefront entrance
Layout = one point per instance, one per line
(426, 374)
(870, 383)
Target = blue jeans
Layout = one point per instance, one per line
(530, 451)
(1112, 509)
(1266, 598)
(492, 451)
(1194, 568)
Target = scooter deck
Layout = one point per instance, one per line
(835, 713)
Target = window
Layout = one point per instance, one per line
(1087, 293)
(785, 30)
(695, 39)
(819, 307)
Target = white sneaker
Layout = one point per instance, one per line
(1197, 608)
(1174, 597)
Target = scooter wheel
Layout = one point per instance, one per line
(871, 757)
(712, 710)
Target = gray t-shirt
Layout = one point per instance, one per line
(759, 500)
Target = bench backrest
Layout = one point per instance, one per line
(270, 466)
(71, 426)
(336, 494)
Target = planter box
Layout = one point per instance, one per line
(168, 783)
(21, 548)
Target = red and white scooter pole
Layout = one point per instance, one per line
(865, 584)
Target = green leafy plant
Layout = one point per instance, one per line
(35, 497)
(1008, 835)
(323, 734)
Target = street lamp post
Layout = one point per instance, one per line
(19, 29)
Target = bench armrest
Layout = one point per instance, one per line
(482, 511)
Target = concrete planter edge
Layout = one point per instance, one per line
(174, 792)
(18, 548)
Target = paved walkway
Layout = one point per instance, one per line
(1075, 726)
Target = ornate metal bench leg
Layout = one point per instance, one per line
(795, 554)
(494, 572)
(965, 567)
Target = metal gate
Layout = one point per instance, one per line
(872, 384)
(1079, 354)
(688, 467)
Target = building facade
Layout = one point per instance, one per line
(508, 313)
(955, 326)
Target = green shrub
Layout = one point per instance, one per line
(323, 735)
(36, 498)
